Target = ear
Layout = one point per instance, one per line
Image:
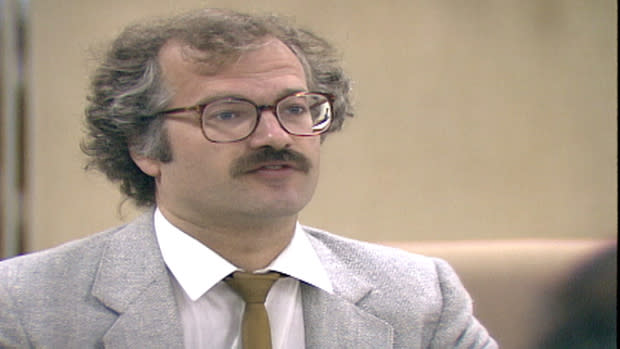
(149, 166)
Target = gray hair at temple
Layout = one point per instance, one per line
(127, 91)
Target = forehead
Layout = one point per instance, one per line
(269, 62)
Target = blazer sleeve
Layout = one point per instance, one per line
(458, 328)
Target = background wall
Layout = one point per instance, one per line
(477, 119)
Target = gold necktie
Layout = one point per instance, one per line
(253, 288)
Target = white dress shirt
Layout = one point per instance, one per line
(211, 311)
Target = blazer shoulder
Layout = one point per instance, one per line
(72, 256)
(57, 263)
(371, 254)
(420, 296)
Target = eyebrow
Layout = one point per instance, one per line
(223, 95)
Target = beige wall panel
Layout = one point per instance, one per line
(477, 119)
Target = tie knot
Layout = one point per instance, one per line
(253, 288)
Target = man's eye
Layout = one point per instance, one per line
(225, 116)
(296, 109)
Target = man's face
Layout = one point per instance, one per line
(207, 183)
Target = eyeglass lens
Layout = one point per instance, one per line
(233, 119)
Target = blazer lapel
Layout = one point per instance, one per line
(339, 320)
(332, 322)
(133, 281)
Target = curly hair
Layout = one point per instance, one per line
(127, 91)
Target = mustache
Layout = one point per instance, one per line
(253, 160)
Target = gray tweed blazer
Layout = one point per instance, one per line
(113, 290)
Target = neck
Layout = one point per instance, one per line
(250, 245)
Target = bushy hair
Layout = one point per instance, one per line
(127, 91)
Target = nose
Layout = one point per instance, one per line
(269, 132)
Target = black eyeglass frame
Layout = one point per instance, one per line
(200, 108)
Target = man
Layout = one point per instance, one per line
(214, 119)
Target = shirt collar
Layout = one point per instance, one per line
(197, 268)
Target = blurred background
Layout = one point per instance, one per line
(474, 119)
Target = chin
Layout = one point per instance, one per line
(282, 208)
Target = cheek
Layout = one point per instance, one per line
(203, 165)
(314, 151)
(193, 156)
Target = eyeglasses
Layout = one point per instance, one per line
(233, 119)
